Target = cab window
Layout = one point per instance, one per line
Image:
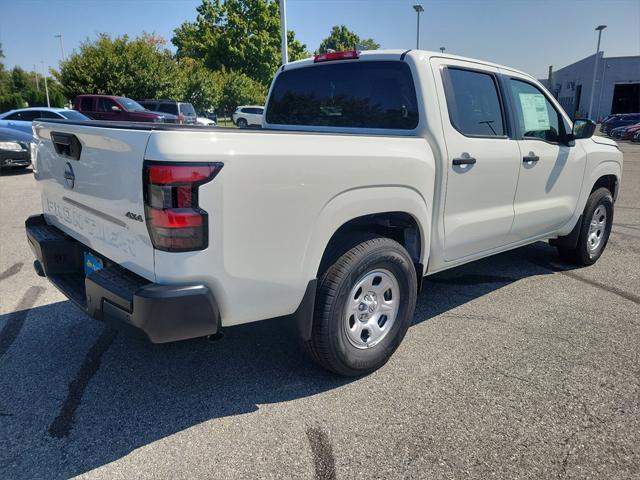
(105, 104)
(86, 104)
(360, 94)
(474, 104)
(536, 116)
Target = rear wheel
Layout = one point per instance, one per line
(364, 306)
(241, 123)
(597, 221)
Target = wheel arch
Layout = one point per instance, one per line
(395, 212)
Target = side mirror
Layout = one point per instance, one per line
(583, 128)
(115, 108)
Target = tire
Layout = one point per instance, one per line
(592, 239)
(382, 275)
(241, 123)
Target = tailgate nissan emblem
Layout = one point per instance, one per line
(69, 176)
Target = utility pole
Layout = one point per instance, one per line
(599, 29)
(36, 73)
(61, 46)
(46, 87)
(419, 9)
(283, 31)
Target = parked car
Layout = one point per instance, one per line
(392, 173)
(22, 118)
(204, 121)
(621, 121)
(114, 108)
(183, 110)
(606, 119)
(629, 132)
(210, 115)
(15, 148)
(636, 137)
(248, 115)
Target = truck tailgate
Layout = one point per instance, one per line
(91, 182)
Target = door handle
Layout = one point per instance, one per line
(464, 161)
(530, 158)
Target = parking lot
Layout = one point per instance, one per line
(517, 366)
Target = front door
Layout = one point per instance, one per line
(482, 161)
(105, 109)
(551, 171)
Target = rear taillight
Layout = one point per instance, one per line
(175, 221)
(327, 57)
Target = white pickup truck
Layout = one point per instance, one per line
(371, 171)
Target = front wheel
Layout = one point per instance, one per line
(364, 306)
(241, 123)
(597, 221)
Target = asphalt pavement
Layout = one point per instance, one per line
(517, 366)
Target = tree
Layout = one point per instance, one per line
(138, 68)
(341, 38)
(237, 35)
(238, 89)
(199, 86)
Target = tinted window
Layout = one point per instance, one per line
(187, 109)
(73, 115)
(27, 115)
(474, 105)
(47, 114)
(259, 111)
(356, 94)
(14, 116)
(86, 104)
(148, 105)
(535, 114)
(105, 104)
(168, 108)
(130, 105)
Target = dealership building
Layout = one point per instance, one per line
(617, 88)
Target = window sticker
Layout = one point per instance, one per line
(534, 111)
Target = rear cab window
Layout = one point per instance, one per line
(358, 94)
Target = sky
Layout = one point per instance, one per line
(526, 34)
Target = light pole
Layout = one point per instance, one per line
(442, 49)
(36, 72)
(283, 31)
(604, 71)
(46, 87)
(61, 46)
(599, 28)
(419, 9)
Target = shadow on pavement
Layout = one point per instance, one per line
(116, 394)
(13, 172)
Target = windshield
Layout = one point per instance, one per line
(130, 105)
(187, 109)
(73, 115)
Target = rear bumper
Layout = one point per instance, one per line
(163, 313)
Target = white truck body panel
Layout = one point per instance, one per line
(282, 195)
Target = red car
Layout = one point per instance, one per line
(109, 107)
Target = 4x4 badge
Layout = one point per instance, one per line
(134, 216)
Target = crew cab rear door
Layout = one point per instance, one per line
(482, 161)
(91, 181)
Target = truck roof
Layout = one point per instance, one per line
(395, 54)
